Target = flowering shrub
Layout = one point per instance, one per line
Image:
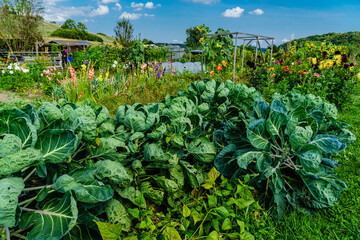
(15, 77)
(324, 70)
(50, 78)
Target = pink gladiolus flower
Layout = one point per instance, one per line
(41, 75)
(81, 94)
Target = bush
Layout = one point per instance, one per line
(76, 34)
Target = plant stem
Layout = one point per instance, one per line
(29, 175)
(19, 236)
(37, 188)
(207, 214)
(7, 233)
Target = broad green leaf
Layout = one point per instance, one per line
(261, 109)
(49, 113)
(56, 145)
(114, 171)
(55, 219)
(154, 153)
(256, 134)
(86, 126)
(170, 233)
(170, 186)
(135, 196)
(154, 195)
(82, 111)
(323, 185)
(328, 143)
(330, 110)
(109, 231)
(9, 143)
(203, 150)
(193, 175)
(310, 157)
(102, 115)
(222, 212)
(214, 235)
(157, 133)
(135, 121)
(224, 161)
(110, 149)
(274, 122)
(134, 212)
(89, 192)
(82, 232)
(117, 214)
(186, 211)
(14, 162)
(300, 136)
(245, 156)
(107, 129)
(212, 201)
(226, 225)
(10, 189)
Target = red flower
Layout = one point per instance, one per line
(219, 67)
(81, 94)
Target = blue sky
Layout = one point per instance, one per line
(167, 20)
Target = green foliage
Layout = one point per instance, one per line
(193, 35)
(289, 146)
(101, 175)
(76, 34)
(124, 32)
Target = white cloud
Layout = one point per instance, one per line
(61, 13)
(149, 15)
(151, 5)
(101, 10)
(234, 12)
(109, 1)
(205, 1)
(130, 16)
(118, 7)
(51, 2)
(137, 6)
(285, 40)
(84, 20)
(257, 12)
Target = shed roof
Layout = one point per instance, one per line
(71, 43)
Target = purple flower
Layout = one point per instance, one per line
(151, 64)
(287, 70)
(157, 67)
(276, 62)
(158, 75)
(282, 62)
(164, 72)
(85, 62)
(264, 67)
(299, 62)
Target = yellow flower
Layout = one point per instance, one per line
(314, 61)
(351, 68)
(198, 28)
(151, 70)
(100, 77)
(201, 39)
(83, 67)
(332, 50)
(224, 63)
(329, 63)
(322, 44)
(106, 75)
(358, 76)
(312, 45)
(321, 65)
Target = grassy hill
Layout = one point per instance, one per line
(47, 28)
(348, 38)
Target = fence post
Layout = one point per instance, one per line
(235, 57)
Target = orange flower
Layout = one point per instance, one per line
(273, 75)
(81, 94)
(211, 73)
(224, 63)
(218, 67)
(271, 69)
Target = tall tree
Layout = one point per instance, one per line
(193, 36)
(19, 21)
(124, 32)
(69, 24)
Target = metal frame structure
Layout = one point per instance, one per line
(247, 38)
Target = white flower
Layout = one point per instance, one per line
(11, 72)
(115, 62)
(292, 63)
(114, 65)
(25, 70)
(9, 67)
(3, 71)
(17, 68)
